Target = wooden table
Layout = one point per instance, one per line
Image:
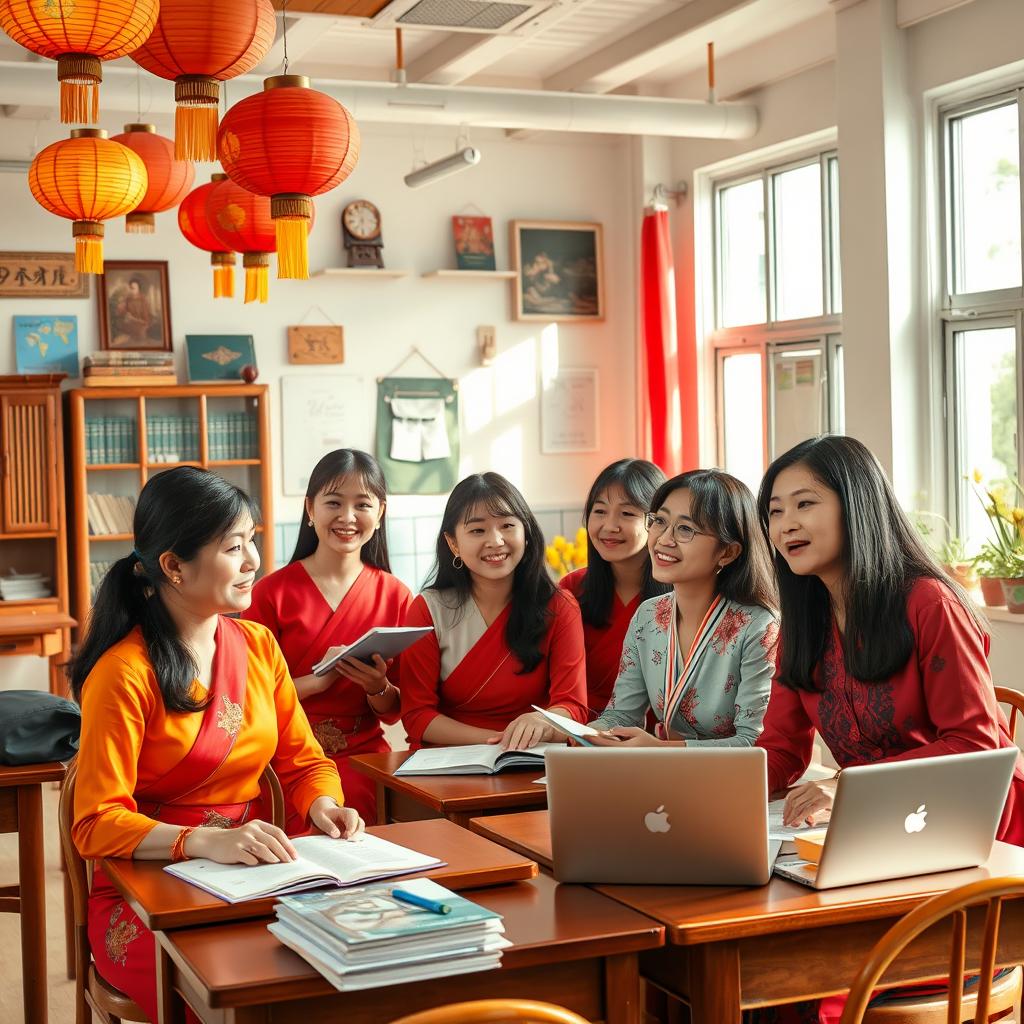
(164, 902)
(457, 797)
(21, 811)
(570, 946)
(734, 948)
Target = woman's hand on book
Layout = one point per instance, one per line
(526, 731)
(255, 842)
(334, 821)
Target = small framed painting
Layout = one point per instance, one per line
(316, 344)
(46, 344)
(134, 306)
(474, 243)
(559, 273)
(219, 358)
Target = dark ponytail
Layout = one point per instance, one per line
(330, 470)
(180, 510)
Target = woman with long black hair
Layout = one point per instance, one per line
(505, 637)
(337, 586)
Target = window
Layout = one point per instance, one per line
(777, 300)
(983, 303)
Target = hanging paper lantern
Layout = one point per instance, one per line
(192, 219)
(79, 35)
(169, 179)
(88, 179)
(289, 142)
(196, 45)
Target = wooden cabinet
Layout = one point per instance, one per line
(120, 437)
(29, 429)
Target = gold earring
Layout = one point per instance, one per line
(176, 580)
(310, 522)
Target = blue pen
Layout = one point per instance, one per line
(421, 901)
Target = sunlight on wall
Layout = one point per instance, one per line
(507, 454)
(476, 392)
(515, 376)
(548, 355)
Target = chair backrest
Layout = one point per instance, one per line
(496, 1011)
(953, 903)
(1015, 700)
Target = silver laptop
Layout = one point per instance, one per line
(910, 818)
(657, 816)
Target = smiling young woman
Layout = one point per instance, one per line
(182, 710)
(505, 638)
(337, 586)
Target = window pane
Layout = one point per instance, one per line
(741, 262)
(833, 215)
(986, 394)
(797, 396)
(985, 196)
(742, 417)
(796, 198)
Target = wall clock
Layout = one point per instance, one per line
(361, 230)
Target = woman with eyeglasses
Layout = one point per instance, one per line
(702, 656)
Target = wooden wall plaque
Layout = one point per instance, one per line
(316, 344)
(41, 275)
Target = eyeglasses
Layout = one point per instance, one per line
(658, 524)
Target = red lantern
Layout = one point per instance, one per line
(169, 179)
(197, 44)
(195, 227)
(87, 179)
(78, 35)
(289, 142)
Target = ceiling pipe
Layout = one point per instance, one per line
(395, 103)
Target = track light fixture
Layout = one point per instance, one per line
(458, 161)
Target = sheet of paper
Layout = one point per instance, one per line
(569, 725)
(777, 830)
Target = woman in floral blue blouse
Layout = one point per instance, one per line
(702, 656)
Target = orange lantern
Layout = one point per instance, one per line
(79, 35)
(291, 143)
(197, 44)
(192, 220)
(169, 179)
(88, 179)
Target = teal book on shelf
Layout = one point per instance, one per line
(219, 358)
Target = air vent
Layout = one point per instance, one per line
(458, 15)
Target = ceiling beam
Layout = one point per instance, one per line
(641, 51)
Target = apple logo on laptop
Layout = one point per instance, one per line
(915, 822)
(657, 820)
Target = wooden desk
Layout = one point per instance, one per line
(21, 811)
(570, 946)
(457, 797)
(734, 948)
(164, 902)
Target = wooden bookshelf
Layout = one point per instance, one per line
(127, 463)
(33, 528)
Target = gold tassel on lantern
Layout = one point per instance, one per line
(257, 276)
(223, 275)
(80, 76)
(195, 118)
(88, 235)
(140, 223)
(292, 214)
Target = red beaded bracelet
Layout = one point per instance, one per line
(178, 849)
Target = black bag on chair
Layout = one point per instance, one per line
(37, 727)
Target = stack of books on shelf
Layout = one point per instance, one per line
(110, 440)
(97, 570)
(128, 369)
(109, 513)
(232, 435)
(371, 937)
(172, 439)
(24, 586)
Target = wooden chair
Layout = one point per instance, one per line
(1015, 700)
(495, 1011)
(92, 993)
(985, 1000)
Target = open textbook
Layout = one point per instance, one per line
(322, 862)
(473, 759)
(387, 641)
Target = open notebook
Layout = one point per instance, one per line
(473, 759)
(322, 862)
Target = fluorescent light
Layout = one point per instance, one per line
(458, 161)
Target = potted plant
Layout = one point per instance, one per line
(949, 550)
(1006, 554)
(991, 568)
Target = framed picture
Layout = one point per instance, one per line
(558, 268)
(46, 344)
(316, 344)
(474, 243)
(41, 275)
(219, 358)
(568, 412)
(135, 306)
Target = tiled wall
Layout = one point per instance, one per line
(411, 540)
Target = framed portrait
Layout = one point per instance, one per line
(559, 270)
(135, 307)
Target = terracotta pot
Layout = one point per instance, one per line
(1013, 591)
(963, 573)
(992, 592)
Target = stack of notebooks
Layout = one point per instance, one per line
(128, 369)
(369, 937)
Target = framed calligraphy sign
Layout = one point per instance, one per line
(41, 275)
